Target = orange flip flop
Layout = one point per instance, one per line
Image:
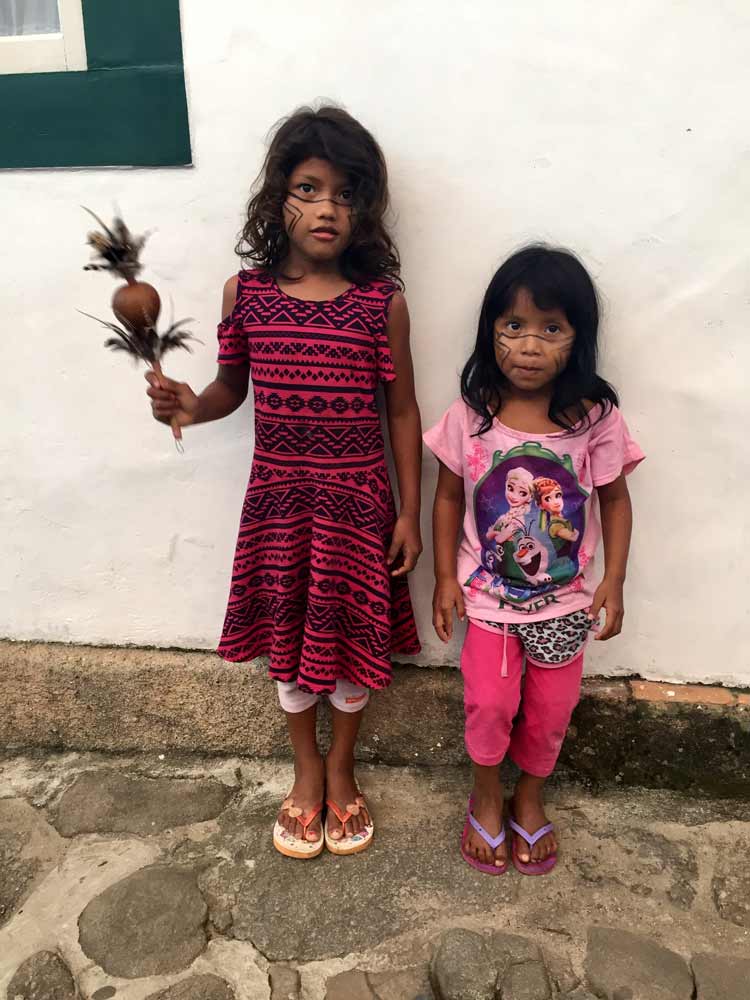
(356, 842)
(297, 847)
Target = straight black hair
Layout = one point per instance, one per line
(555, 279)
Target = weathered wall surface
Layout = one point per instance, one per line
(619, 132)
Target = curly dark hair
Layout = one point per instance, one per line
(329, 133)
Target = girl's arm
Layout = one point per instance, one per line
(219, 399)
(405, 429)
(617, 522)
(446, 520)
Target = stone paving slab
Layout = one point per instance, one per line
(630, 860)
(625, 966)
(721, 977)
(284, 982)
(350, 986)
(413, 983)
(131, 931)
(196, 988)
(43, 976)
(731, 885)
(29, 848)
(463, 968)
(111, 802)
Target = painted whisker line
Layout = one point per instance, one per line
(296, 214)
(317, 201)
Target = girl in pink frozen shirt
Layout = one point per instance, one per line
(533, 410)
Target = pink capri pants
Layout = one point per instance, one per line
(546, 696)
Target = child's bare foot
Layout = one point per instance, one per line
(488, 812)
(341, 788)
(528, 812)
(307, 793)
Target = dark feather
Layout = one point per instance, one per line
(145, 344)
(175, 337)
(116, 249)
(118, 345)
(96, 218)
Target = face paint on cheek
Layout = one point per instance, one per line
(351, 218)
(292, 215)
(562, 356)
(559, 362)
(502, 350)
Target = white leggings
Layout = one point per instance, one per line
(347, 697)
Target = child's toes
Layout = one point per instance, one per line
(542, 849)
(486, 856)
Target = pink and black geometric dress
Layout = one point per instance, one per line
(310, 585)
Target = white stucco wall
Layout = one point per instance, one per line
(618, 130)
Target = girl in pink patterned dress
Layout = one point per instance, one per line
(536, 432)
(319, 583)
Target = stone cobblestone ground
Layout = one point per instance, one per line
(141, 877)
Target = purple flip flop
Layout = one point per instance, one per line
(493, 842)
(532, 867)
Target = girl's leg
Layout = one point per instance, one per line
(549, 696)
(528, 812)
(308, 790)
(490, 703)
(487, 808)
(347, 708)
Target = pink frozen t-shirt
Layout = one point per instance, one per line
(531, 527)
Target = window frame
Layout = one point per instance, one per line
(53, 52)
(128, 109)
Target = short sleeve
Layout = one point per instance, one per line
(232, 338)
(612, 450)
(383, 356)
(446, 439)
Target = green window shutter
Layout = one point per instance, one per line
(128, 109)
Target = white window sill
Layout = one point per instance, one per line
(53, 53)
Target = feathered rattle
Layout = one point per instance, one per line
(135, 304)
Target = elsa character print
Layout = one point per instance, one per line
(519, 492)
